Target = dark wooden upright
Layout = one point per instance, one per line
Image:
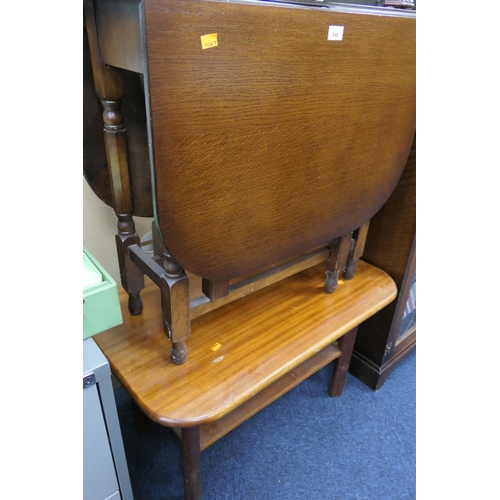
(391, 246)
(110, 89)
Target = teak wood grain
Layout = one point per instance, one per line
(262, 337)
(276, 140)
(213, 431)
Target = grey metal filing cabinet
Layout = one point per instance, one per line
(105, 471)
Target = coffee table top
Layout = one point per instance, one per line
(239, 349)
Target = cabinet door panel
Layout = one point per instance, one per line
(98, 469)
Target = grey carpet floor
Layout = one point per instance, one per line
(305, 446)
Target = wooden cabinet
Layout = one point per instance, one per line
(390, 335)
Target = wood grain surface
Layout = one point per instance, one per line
(276, 140)
(213, 431)
(238, 350)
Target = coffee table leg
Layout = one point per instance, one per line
(191, 453)
(341, 365)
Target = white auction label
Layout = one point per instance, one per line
(335, 32)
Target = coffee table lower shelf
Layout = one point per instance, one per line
(210, 433)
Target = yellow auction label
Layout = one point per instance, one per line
(216, 346)
(209, 41)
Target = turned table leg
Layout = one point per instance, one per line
(110, 88)
(339, 250)
(132, 278)
(341, 365)
(174, 287)
(356, 251)
(191, 453)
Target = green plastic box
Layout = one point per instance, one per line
(101, 305)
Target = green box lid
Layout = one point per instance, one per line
(101, 304)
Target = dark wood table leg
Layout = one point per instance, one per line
(110, 89)
(174, 286)
(191, 453)
(339, 250)
(356, 251)
(341, 365)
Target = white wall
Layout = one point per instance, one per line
(99, 229)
